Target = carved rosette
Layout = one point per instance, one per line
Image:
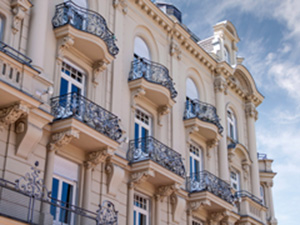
(10, 114)
(58, 140)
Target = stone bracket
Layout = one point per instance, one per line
(10, 114)
(178, 205)
(19, 9)
(60, 139)
(140, 177)
(166, 191)
(162, 110)
(96, 157)
(115, 176)
(196, 205)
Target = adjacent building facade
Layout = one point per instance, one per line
(122, 106)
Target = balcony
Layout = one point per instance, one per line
(150, 154)
(89, 30)
(204, 117)
(17, 74)
(98, 127)
(21, 201)
(250, 207)
(206, 187)
(154, 79)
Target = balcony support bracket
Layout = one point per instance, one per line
(114, 174)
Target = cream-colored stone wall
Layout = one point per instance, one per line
(112, 178)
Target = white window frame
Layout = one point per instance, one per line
(2, 24)
(235, 181)
(195, 157)
(141, 123)
(140, 210)
(262, 193)
(231, 122)
(71, 80)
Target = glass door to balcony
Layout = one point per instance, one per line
(142, 129)
(195, 162)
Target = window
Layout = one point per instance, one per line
(262, 194)
(235, 180)
(1, 27)
(226, 55)
(191, 94)
(63, 193)
(141, 210)
(142, 126)
(196, 222)
(195, 161)
(141, 49)
(81, 3)
(231, 125)
(72, 79)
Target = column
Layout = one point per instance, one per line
(87, 185)
(157, 209)
(272, 218)
(38, 31)
(220, 90)
(130, 203)
(251, 115)
(189, 217)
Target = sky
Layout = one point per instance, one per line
(269, 32)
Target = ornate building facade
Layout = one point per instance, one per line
(114, 112)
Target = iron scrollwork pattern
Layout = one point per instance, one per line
(106, 214)
(205, 181)
(152, 72)
(77, 106)
(8, 50)
(150, 148)
(202, 111)
(85, 20)
(243, 193)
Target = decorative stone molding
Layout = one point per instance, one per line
(66, 43)
(98, 67)
(138, 93)
(166, 191)
(231, 154)
(178, 205)
(115, 176)
(196, 205)
(175, 50)
(140, 177)
(96, 157)
(122, 3)
(19, 9)
(215, 217)
(10, 114)
(250, 110)
(58, 140)
(246, 169)
(220, 85)
(162, 110)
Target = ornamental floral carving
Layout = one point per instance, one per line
(10, 114)
(58, 140)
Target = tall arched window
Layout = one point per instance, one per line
(141, 49)
(191, 96)
(81, 3)
(231, 125)
(226, 55)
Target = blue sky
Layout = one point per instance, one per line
(270, 32)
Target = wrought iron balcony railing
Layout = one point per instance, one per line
(77, 106)
(240, 194)
(84, 20)
(150, 148)
(152, 72)
(202, 111)
(262, 156)
(22, 200)
(205, 181)
(10, 51)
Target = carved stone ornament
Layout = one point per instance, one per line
(98, 67)
(216, 217)
(251, 110)
(162, 110)
(220, 84)
(246, 169)
(140, 177)
(10, 114)
(122, 3)
(58, 140)
(196, 205)
(19, 9)
(96, 157)
(138, 93)
(115, 175)
(166, 191)
(66, 43)
(175, 50)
